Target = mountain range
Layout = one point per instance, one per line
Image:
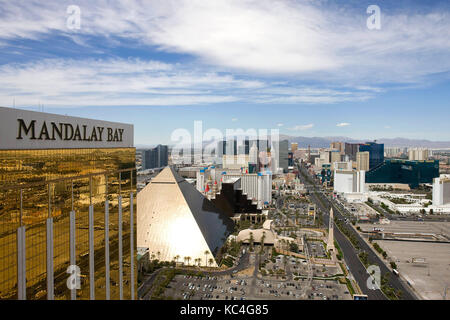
(324, 142)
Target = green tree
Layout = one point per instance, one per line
(251, 240)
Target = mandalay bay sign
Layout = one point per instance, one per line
(21, 129)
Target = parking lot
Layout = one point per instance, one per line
(317, 249)
(292, 284)
(202, 288)
(220, 288)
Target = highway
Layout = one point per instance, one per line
(350, 253)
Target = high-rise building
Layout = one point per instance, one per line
(338, 146)
(376, 153)
(283, 155)
(362, 161)
(236, 154)
(290, 159)
(394, 152)
(156, 157)
(441, 190)
(349, 181)
(408, 172)
(67, 204)
(335, 156)
(343, 165)
(294, 147)
(418, 154)
(350, 149)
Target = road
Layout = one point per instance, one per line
(350, 253)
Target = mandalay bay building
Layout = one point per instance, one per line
(67, 207)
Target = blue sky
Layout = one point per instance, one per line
(308, 68)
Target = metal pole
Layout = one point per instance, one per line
(50, 277)
(21, 264)
(73, 292)
(91, 254)
(132, 244)
(72, 194)
(107, 280)
(21, 207)
(49, 202)
(120, 251)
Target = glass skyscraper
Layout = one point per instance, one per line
(67, 207)
(408, 172)
(376, 153)
(155, 158)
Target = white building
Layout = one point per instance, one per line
(256, 186)
(342, 165)
(418, 154)
(362, 160)
(441, 190)
(394, 152)
(349, 181)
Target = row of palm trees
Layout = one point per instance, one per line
(187, 259)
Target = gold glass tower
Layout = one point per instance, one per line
(67, 215)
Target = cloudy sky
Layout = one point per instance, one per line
(305, 67)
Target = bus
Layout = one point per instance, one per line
(360, 297)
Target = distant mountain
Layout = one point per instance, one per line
(324, 142)
(402, 142)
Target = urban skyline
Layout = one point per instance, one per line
(222, 150)
(347, 81)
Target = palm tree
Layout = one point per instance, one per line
(185, 259)
(284, 243)
(153, 256)
(206, 257)
(176, 258)
(263, 237)
(211, 261)
(188, 259)
(251, 240)
(159, 254)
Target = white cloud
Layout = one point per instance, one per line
(124, 82)
(302, 127)
(342, 124)
(314, 39)
(234, 119)
(293, 41)
(280, 124)
(58, 82)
